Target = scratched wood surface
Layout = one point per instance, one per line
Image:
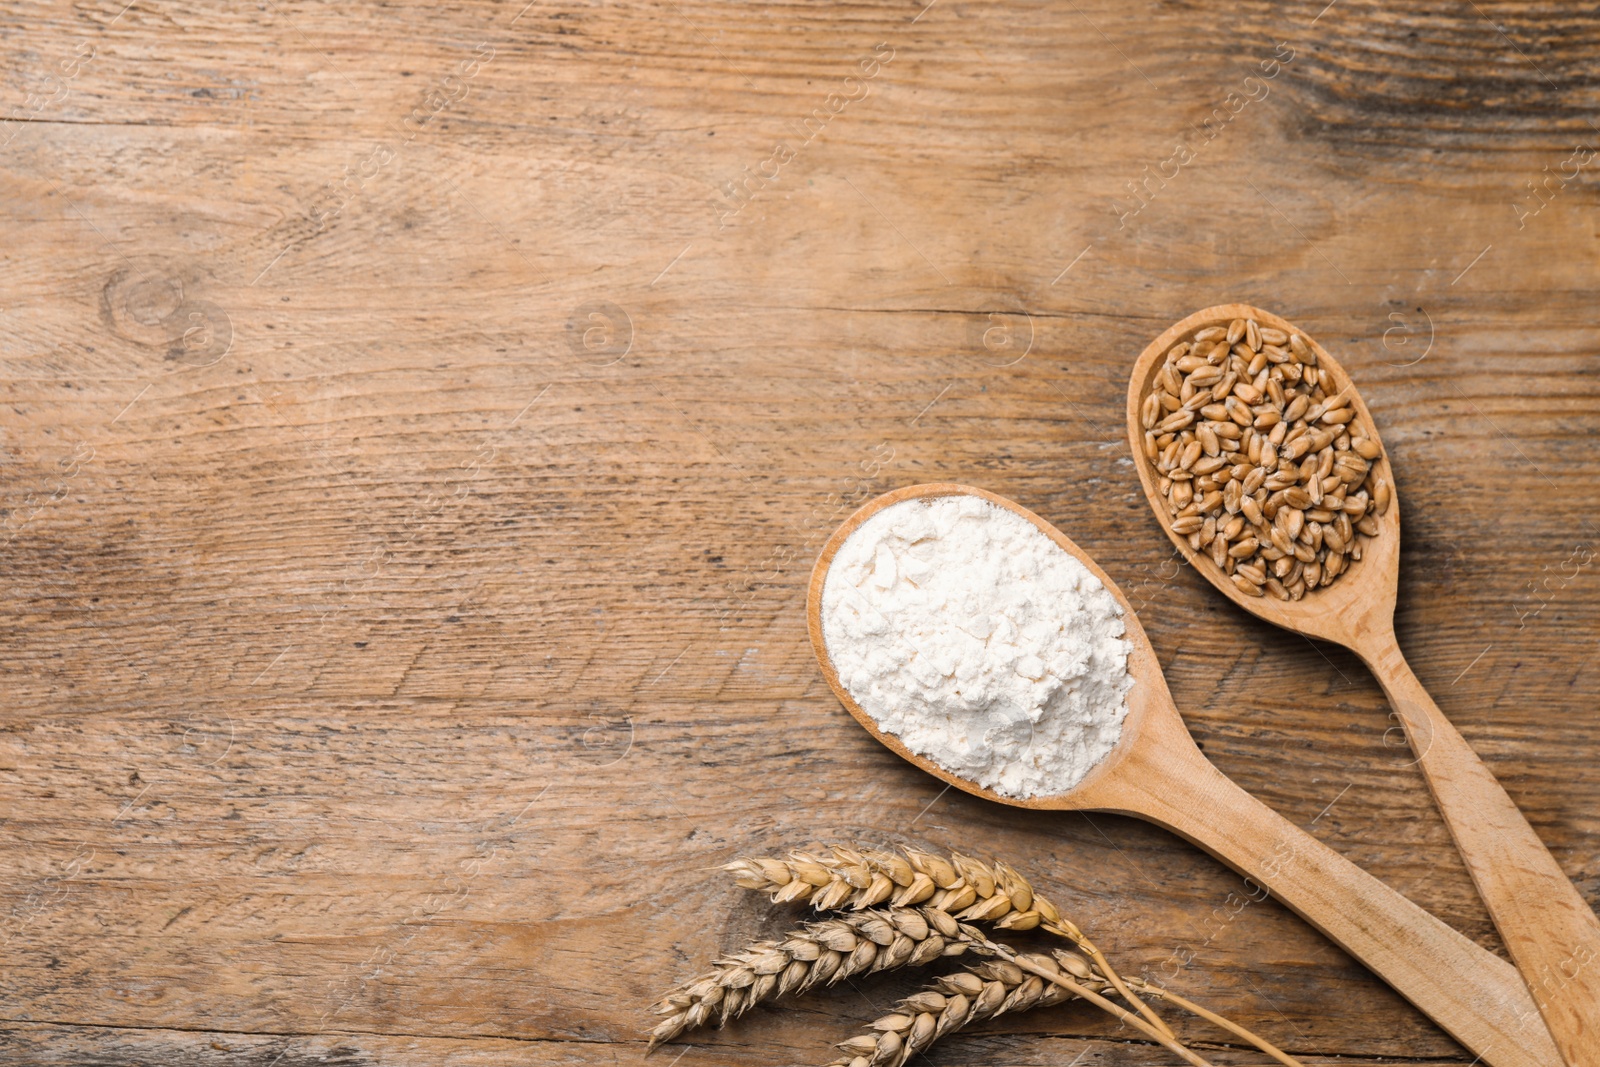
(418, 423)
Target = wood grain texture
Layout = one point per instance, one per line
(413, 460)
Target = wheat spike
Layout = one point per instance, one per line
(854, 878)
(981, 992)
(911, 908)
(969, 889)
(821, 952)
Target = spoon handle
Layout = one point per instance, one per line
(1550, 931)
(1473, 994)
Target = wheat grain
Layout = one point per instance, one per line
(1247, 427)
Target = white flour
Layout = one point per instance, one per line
(977, 641)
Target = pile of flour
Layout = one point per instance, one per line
(977, 641)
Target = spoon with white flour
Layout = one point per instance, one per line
(974, 639)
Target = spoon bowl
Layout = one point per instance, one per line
(1145, 701)
(1357, 609)
(1157, 773)
(1547, 926)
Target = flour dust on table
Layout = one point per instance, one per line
(965, 631)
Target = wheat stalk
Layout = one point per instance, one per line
(822, 952)
(1212, 1017)
(970, 890)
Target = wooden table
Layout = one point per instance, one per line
(420, 422)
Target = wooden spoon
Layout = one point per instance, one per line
(1550, 931)
(1156, 773)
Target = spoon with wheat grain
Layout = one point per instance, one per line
(1157, 773)
(1550, 931)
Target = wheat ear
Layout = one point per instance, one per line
(981, 992)
(970, 890)
(863, 878)
(995, 987)
(822, 952)
(905, 1031)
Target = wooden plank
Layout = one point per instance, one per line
(33, 1045)
(405, 565)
